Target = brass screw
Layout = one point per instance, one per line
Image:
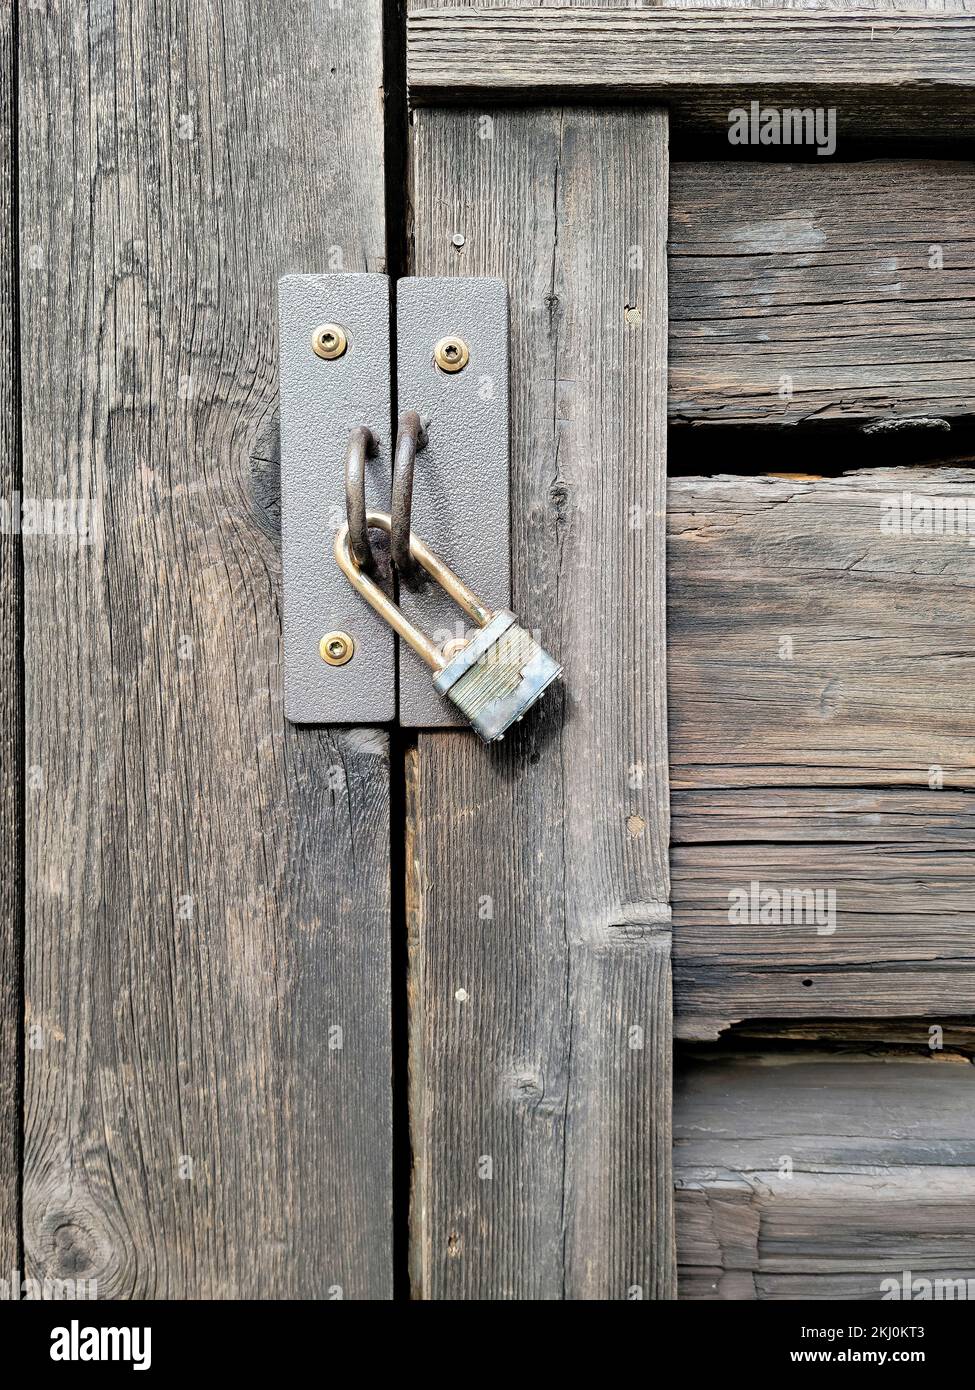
(336, 648)
(329, 341)
(451, 354)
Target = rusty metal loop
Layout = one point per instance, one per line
(362, 445)
(410, 438)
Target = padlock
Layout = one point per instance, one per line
(496, 676)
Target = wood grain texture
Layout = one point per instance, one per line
(905, 74)
(809, 647)
(898, 6)
(820, 292)
(822, 1178)
(539, 884)
(935, 7)
(207, 1093)
(940, 820)
(11, 741)
(821, 678)
(908, 7)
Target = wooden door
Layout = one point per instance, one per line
(344, 1013)
(541, 1034)
(802, 715)
(204, 892)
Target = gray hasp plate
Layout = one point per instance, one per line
(321, 401)
(460, 496)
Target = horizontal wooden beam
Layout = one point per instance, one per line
(820, 631)
(887, 926)
(823, 292)
(457, 53)
(827, 1176)
(821, 669)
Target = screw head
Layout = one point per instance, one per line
(451, 354)
(329, 340)
(336, 648)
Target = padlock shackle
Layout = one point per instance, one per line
(440, 573)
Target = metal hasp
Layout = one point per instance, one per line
(452, 482)
(339, 656)
(498, 674)
(452, 369)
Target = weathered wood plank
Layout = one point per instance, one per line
(822, 1178)
(827, 292)
(11, 734)
(932, 820)
(810, 646)
(909, 74)
(907, 7)
(539, 891)
(890, 931)
(207, 1106)
(900, 7)
(821, 739)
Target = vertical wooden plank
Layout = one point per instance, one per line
(539, 888)
(207, 953)
(10, 675)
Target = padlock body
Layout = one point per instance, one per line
(498, 676)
